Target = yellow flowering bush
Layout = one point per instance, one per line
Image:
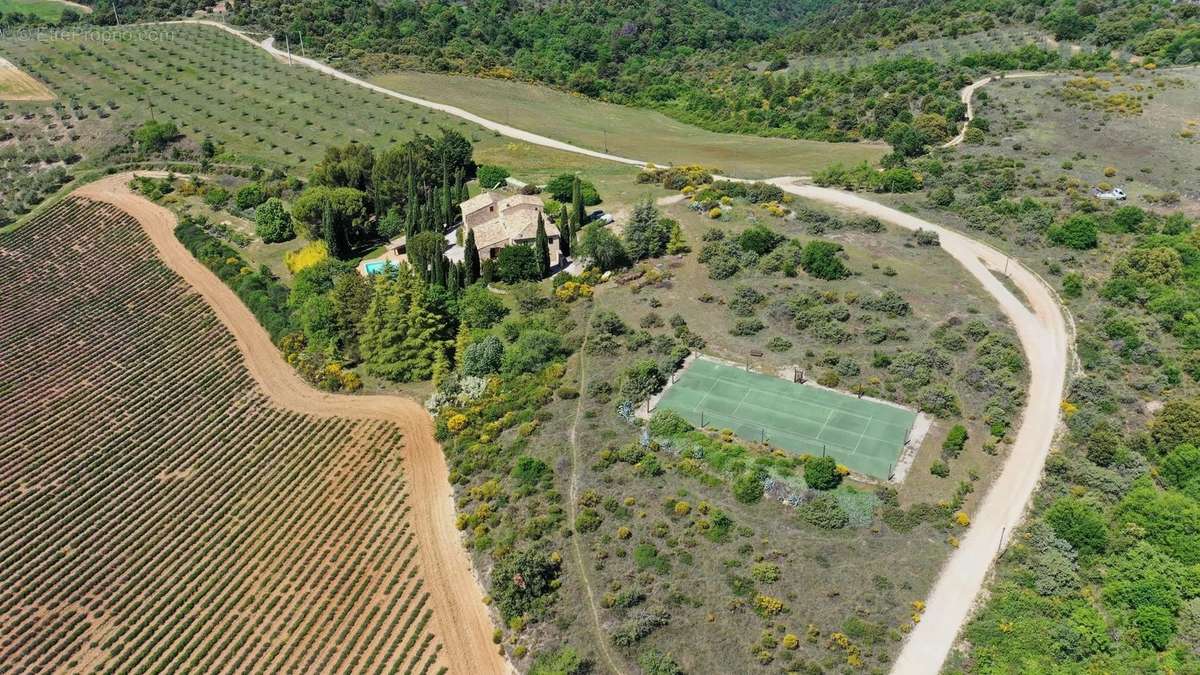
(766, 605)
(305, 257)
(457, 422)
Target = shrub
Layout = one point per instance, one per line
(779, 344)
(766, 605)
(745, 327)
(666, 422)
(530, 471)
(517, 263)
(249, 196)
(1078, 524)
(927, 238)
(1072, 285)
(561, 186)
(759, 239)
(955, 440)
(490, 176)
(588, 520)
(820, 473)
(939, 469)
(655, 662)
(153, 136)
(480, 308)
(1155, 626)
(521, 583)
(641, 380)
(645, 556)
(216, 196)
(310, 255)
(748, 487)
(765, 573)
(938, 400)
(1078, 232)
(1181, 466)
(532, 351)
(820, 259)
(272, 222)
(825, 512)
(638, 627)
(562, 661)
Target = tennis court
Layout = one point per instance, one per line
(866, 436)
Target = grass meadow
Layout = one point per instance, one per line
(47, 10)
(630, 132)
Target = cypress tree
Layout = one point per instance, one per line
(471, 259)
(487, 271)
(579, 215)
(460, 187)
(564, 240)
(334, 241)
(461, 342)
(565, 230)
(446, 199)
(542, 246)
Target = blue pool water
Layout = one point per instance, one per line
(376, 267)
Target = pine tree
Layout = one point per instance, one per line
(471, 259)
(401, 335)
(677, 244)
(578, 215)
(542, 246)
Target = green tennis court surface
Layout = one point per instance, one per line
(866, 436)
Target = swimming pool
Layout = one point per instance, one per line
(376, 266)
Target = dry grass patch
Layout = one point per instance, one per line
(17, 85)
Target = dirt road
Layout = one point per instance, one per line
(967, 96)
(1045, 337)
(460, 619)
(1043, 333)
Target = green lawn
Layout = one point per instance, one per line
(48, 10)
(630, 132)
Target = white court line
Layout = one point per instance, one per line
(860, 436)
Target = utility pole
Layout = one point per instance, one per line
(288, 40)
(302, 51)
(116, 17)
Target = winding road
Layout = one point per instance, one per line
(967, 96)
(1039, 321)
(460, 618)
